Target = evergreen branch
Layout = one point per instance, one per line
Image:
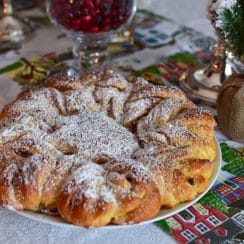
(233, 27)
(241, 2)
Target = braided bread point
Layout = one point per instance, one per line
(141, 101)
(111, 92)
(118, 192)
(94, 92)
(54, 182)
(179, 179)
(25, 165)
(79, 100)
(113, 80)
(63, 83)
(179, 123)
(163, 112)
(141, 187)
(40, 107)
(85, 199)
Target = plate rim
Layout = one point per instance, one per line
(58, 221)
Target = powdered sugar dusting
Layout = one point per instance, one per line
(89, 181)
(95, 135)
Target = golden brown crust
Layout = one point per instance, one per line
(124, 194)
(62, 83)
(153, 148)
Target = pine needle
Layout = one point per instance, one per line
(233, 27)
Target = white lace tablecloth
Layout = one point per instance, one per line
(17, 229)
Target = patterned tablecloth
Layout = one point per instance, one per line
(163, 50)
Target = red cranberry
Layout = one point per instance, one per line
(90, 15)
